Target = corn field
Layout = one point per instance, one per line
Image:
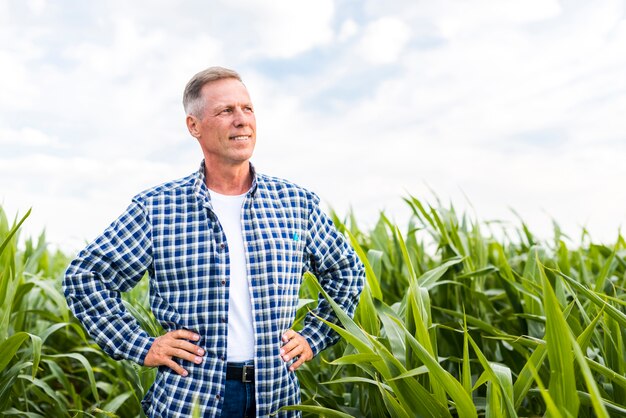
(457, 318)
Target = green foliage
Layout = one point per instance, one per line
(48, 365)
(452, 322)
(471, 325)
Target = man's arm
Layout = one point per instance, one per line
(340, 273)
(114, 262)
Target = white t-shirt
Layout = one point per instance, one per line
(240, 324)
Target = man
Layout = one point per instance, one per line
(225, 249)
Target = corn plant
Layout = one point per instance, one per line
(457, 318)
(48, 365)
(453, 322)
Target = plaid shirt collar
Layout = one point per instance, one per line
(202, 192)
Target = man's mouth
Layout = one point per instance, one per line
(240, 137)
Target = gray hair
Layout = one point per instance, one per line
(192, 97)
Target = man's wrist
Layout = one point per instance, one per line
(314, 338)
(138, 348)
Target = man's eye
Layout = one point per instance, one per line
(227, 110)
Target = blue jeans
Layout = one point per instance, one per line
(239, 400)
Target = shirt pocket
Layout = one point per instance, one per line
(287, 265)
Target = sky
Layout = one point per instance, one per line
(493, 107)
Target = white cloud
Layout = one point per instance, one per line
(460, 19)
(384, 40)
(516, 104)
(37, 6)
(452, 18)
(18, 92)
(348, 29)
(507, 114)
(280, 28)
(74, 199)
(27, 137)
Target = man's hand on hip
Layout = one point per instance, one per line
(174, 344)
(295, 346)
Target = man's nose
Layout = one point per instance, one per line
(241, 117)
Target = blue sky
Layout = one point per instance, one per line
(493, 105)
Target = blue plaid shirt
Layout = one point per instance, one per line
(171, 232)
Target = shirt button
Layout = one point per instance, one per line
(222, 245)
(217, 396)
(222, 358)
(223, 282)
(223, 319)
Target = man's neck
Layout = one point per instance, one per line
(230, 180)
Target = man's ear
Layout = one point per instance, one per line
(192, 125)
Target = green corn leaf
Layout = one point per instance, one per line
(594, 392)
(466, 372)
(412, 395)
(419, 315)
(584, 339)
(418, 371)
(15, 411)
(62, 379)
(356, 335)
(319, 410)
(357, 379)
(370, 276)
(394, 407)
(375, 258)
(394, 335)
(409, 392)
(608, 374)
(525, 378)
(114, 404)
(452, 386)
(491, 376)
(614, 409)
(430, 278)
(593, 297)
(9, 347)
(356, 359)
(552, 410)
(365, 313)
(604, 273)
(8, 378)
(13, 231)
(54, 293)
(420, 211)
(484, 378)
(36, 344)
(86, 367)
(476, 273)
(45, 334)
(562, 384)
(406, 257)
(500, 392)
(43, 385)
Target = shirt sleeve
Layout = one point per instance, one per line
(113, 263)
(340, 273)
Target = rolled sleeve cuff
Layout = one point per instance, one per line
(138, 348)
(318, 336)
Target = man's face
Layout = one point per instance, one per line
(226, 129)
